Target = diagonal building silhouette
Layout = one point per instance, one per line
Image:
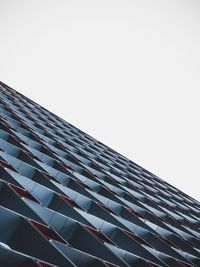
(66, 199)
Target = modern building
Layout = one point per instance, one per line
(66, 199)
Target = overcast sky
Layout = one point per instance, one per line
(125, 72)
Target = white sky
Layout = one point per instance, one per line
(125, 72)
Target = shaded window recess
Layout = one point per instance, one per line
(22, 192)
(82, 184)
(49, 177)
(165, 241)
(6, 165)
(64, 165)
(106, 208)
(136, 237)
(134, 212)
(5, 124)
(70, 201)
(32, 155)
(99, 235)
(46, 231)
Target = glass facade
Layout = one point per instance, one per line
(66, 199)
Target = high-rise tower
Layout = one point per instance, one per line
(68, 200)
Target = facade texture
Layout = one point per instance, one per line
(68, 200)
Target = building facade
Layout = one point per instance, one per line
(66, 199)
